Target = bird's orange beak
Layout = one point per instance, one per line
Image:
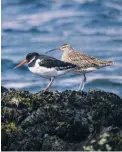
(22, 63)
(52, 50)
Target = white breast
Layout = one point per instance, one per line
(90, 69)
(87, 70)
(46, 72)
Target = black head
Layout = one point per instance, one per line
(31, 56)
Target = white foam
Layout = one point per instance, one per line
(65, 82)
(90, 78)
(17, 85)
(114, 5)
(47, 39)
(83, 1)
(101, 30)
(12, 24)
(44, 17)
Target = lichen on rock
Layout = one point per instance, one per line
(67, 120)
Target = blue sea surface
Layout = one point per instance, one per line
(90, 26)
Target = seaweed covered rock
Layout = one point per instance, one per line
(67, 120)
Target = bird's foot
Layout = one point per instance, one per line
(80, 90)
(43, 90)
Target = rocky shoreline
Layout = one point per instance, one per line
(64, 121)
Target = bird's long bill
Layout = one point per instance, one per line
(22, 63)
(52, 50)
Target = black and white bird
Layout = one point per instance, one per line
(46, 66)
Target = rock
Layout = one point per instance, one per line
(3, 89)
(51, 143)
(61, 121)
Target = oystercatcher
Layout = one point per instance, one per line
(46, 66)
(84, 62)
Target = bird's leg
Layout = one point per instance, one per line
(49, 84)
(81, 87)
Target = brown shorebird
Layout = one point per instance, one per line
(84, 62)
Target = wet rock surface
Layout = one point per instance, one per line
(67, 120)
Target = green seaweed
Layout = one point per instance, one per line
(10, 127)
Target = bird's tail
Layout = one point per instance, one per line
(101, 63)
(110, 63)
(106, 63)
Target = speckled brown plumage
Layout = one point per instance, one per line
(83, 61)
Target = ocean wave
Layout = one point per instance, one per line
(94, 26)
(108, 79)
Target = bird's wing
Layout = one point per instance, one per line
(85, 61)
(54, 63)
